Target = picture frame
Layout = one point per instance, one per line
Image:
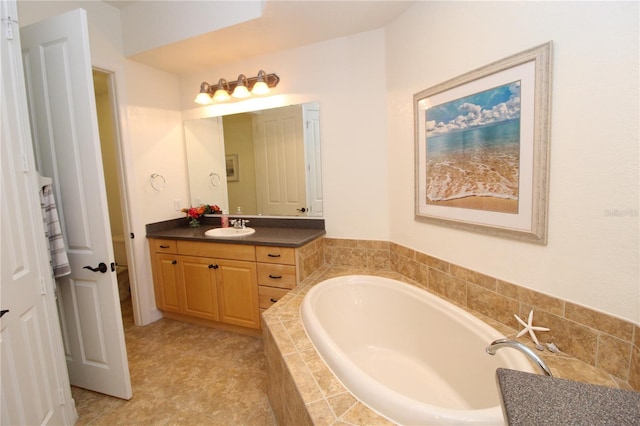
(231, 165)
(482, 148)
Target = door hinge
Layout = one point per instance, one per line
(43, 286)
(61, 396)
(9, 21)
(9, 28)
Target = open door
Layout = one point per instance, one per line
(34, 389)
(64, 125)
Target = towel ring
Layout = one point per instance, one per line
(215, 179)
(158, 182)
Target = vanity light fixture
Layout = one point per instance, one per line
(243, 87)
(203, 96)
(241, 90)
(222, 92)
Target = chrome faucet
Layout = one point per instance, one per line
(506, 343)
(239, 223)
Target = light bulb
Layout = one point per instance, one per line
(241, 91)
(260, 88)
(221, 95)
(203, 99)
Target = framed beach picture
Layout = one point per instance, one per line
(482, 148)
(232, 167)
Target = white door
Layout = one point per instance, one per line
(279, 151)
(34, 387)
(313, 158)
(65, 131)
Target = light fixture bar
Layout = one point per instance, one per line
(258, 85)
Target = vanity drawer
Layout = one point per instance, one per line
(164, 246)
(285, 255)
(217, 250)
(269, 295)
(283, 276)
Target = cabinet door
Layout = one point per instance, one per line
(166, 280)
(199, 287)
(238, 292)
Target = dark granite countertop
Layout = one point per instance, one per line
(269, 232)
(533, 399)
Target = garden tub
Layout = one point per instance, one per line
(407, 354)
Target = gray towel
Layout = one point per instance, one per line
(57, 250)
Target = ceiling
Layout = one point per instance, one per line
(283, 25)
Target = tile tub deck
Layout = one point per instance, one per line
(303, 391)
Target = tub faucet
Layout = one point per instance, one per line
(506, 343)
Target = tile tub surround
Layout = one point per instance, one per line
(302, 390)
(600, 340)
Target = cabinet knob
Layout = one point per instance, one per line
(213, 266)
(173, 262)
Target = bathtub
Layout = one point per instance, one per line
(410, 356)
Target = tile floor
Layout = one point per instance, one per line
(184, 374)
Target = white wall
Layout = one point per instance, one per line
(592, 254)
(346, 76)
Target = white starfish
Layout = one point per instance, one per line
(528, 326)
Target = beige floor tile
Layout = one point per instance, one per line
(185, 374)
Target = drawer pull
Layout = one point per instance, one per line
(165, 246)
(273, 255)
(275, 277)
(273, 300)
(173, 262)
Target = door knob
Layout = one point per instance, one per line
(102, 267)
(302, 210)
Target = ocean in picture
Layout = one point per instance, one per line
(473, 151)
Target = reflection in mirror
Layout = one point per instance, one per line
(257, 163)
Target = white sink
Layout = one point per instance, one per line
(229, 232)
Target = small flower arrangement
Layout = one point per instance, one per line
(194, 213)
(211, 209)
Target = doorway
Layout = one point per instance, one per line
(111, 149)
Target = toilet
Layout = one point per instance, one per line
(122, 271)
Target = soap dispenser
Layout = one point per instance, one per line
(224, 220)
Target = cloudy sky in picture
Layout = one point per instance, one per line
(480, 109)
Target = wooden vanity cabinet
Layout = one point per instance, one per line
(206, 281)
(166, 274)
(199, 288)
(238, 293)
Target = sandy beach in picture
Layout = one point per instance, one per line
(481, 203)
(483, 178)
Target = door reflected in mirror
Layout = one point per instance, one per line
(264, 162)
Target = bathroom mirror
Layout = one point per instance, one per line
(265, 162)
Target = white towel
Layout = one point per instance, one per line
(57, 250)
